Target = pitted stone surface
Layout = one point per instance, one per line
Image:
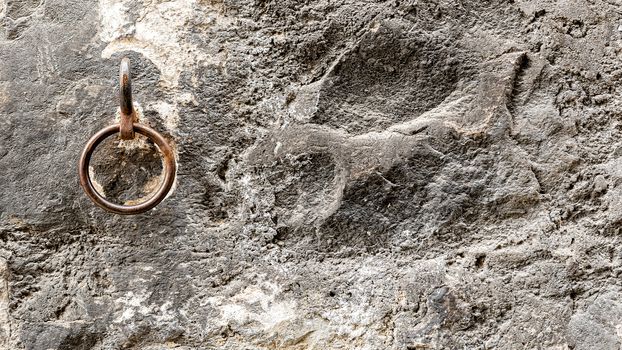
(352, 174)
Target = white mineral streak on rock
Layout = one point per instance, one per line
(169, 112)
(133, 304)
(256, 303)
(356, 320)
(156, 34)
(115, 23)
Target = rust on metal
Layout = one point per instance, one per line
(168, 157)
(125, 98)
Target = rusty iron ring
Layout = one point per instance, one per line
(169, 170)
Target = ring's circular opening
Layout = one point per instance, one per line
(126, 172)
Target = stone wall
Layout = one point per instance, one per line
(352, 174)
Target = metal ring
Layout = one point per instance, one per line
(169, 171)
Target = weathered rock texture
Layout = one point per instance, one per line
(401, 174)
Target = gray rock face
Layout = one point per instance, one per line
(352, 174)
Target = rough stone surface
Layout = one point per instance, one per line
(352, 174)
